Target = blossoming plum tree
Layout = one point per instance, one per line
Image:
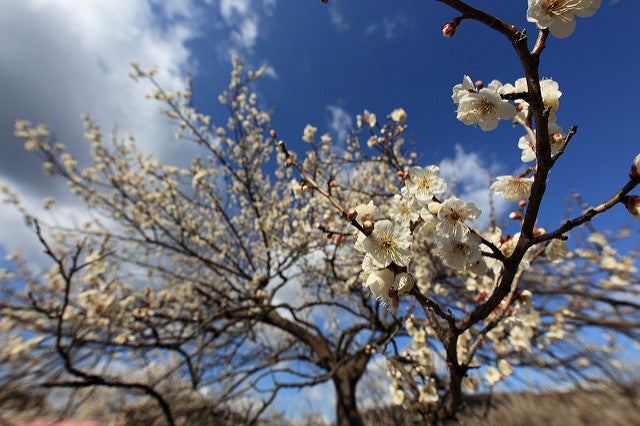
(217, 278)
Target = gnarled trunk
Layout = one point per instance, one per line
(346, 410)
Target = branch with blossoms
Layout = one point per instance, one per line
(422, 205)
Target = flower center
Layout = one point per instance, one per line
(559, 7)
(487, 107)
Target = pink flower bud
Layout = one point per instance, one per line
(288, 162)
(514, 215)
(352, 214)
(337, 239)
(272, 132)
(449, 29)
(479, 84)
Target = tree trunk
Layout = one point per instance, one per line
(346, 410)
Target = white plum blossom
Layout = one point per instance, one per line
(463, 89)
(512, 188)
(399, 115)
(366, 213)
(505, 368)
(556, 138)
(557, 250)
(492, 375)
(309, 133)
(458, 254)
(388, 243)
(550, 96)
(452, 215)
(379, 282)
(424, 183)
(404, 209)
(557, 15)
(403, 282)
(485, 107)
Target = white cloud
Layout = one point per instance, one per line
(70, 57)
(242, 21)
(472, 179)
(391, 26)
(339, 123)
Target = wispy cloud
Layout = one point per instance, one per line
(242, 20)
(339, 123)
(391, 26)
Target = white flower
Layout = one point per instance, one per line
(505, 368)
(557, 15)
(550, 96)
(404, 210)
(520, 338)
(557, 250)
(379, 282)
(428, 393)
(398, 396)
(424, 183)
(485, 108)
(398, 115)
(366, 117)
(452, 215)
(403, 282)
(366, 213)
(389, 243)
(459, 253)
(512, 188)
(309, 133)
(470, 384)
(492, 375)
(462, 89)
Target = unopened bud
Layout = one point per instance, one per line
(479, 84)
(556, 138)
(634, 174)
(515, 215)
(632, 203)
(400, 174)
(337, 239)
(272, 132)
(288, 162)
(368, 226)
(449, 29)
(539, 231)
(352, 214)
(280, 144)
(320, 226)
(434, 207)
(333, 184)
(521, 204)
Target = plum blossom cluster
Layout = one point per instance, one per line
(486, 106)
(386, 243)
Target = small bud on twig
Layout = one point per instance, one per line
(449, 29)
(634, 174)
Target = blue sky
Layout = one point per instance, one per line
(326, 64)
